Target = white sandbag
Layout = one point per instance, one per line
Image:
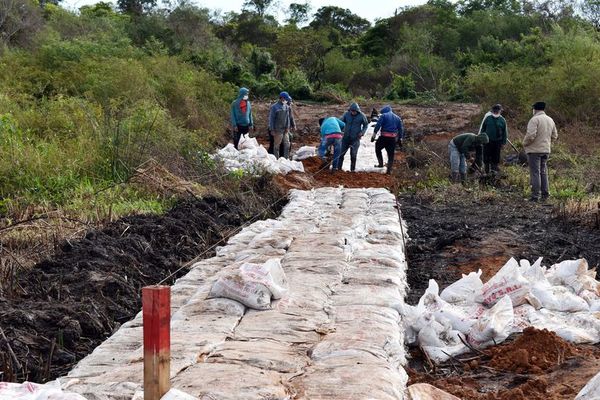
(591, 391)
(305, 152)
(439, 341)
(558, 298)
(174, 394)
(432, 302)
(507, 281)
(234, 286)
(494, 325)
(574, 274)
(269, 274)
(582, 327)
(464, 290)
(35, 391)
(425, 391)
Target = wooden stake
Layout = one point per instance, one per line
(156, 311)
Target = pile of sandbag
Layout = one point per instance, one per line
(562, 298)
(253, 285)
(254, 158)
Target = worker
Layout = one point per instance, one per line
(331, 135)
(541, 132)
(281, 121)
(392, 130)
(355, 128)
(241, 116)
(374, 115)
(494, 125)
(459, 147)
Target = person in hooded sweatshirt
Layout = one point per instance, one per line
(281, 121)
(356, 126)
(494, 125)
(392, 130)
(459, 147)
(241, 116)
(331, 135)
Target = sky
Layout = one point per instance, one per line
(366, 9)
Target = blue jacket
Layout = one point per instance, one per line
(332, 125)
(237, 116)
(356, 125)
(288, 117)
(389, 122)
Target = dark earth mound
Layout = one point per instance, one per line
(67, 305)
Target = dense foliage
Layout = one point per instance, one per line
(86, 97)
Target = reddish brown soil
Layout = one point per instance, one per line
(533, 352)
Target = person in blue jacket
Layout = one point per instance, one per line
(281, 121)
(331, 134)
(241, 116)
(392, 130)
(356, 126)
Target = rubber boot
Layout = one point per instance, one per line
(454, 177)
(352, 165)
(463, 178)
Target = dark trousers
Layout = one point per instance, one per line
(491, 155)
(538, 174)
(389, 144)
(353, 145)
(241, 130)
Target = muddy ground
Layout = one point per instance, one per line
(65, 306)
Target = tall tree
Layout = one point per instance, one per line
(259, 6)
(136, 7)
(298, 13)
(341, 19)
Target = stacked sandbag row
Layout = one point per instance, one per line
(334, 334)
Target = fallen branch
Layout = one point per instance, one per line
(10, 350)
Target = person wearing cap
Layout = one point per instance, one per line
(459, 147)
(356, 125)
(541, 132)
(241, 116)
(281, 121)
(331, 135)
(392, 130)
(494, 125)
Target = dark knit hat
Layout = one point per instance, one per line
(539, 106)
(497, 107)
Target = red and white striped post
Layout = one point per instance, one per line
(156, 312)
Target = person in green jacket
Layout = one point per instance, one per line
(494, 125)
(241, 116)
(459, 147)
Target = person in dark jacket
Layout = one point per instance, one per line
(392, 130)
(356, 126)
(459, 147)
(281, 121)
(241, 116)
(494, 125)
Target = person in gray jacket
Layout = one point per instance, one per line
(356, 126)
(541, 132)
